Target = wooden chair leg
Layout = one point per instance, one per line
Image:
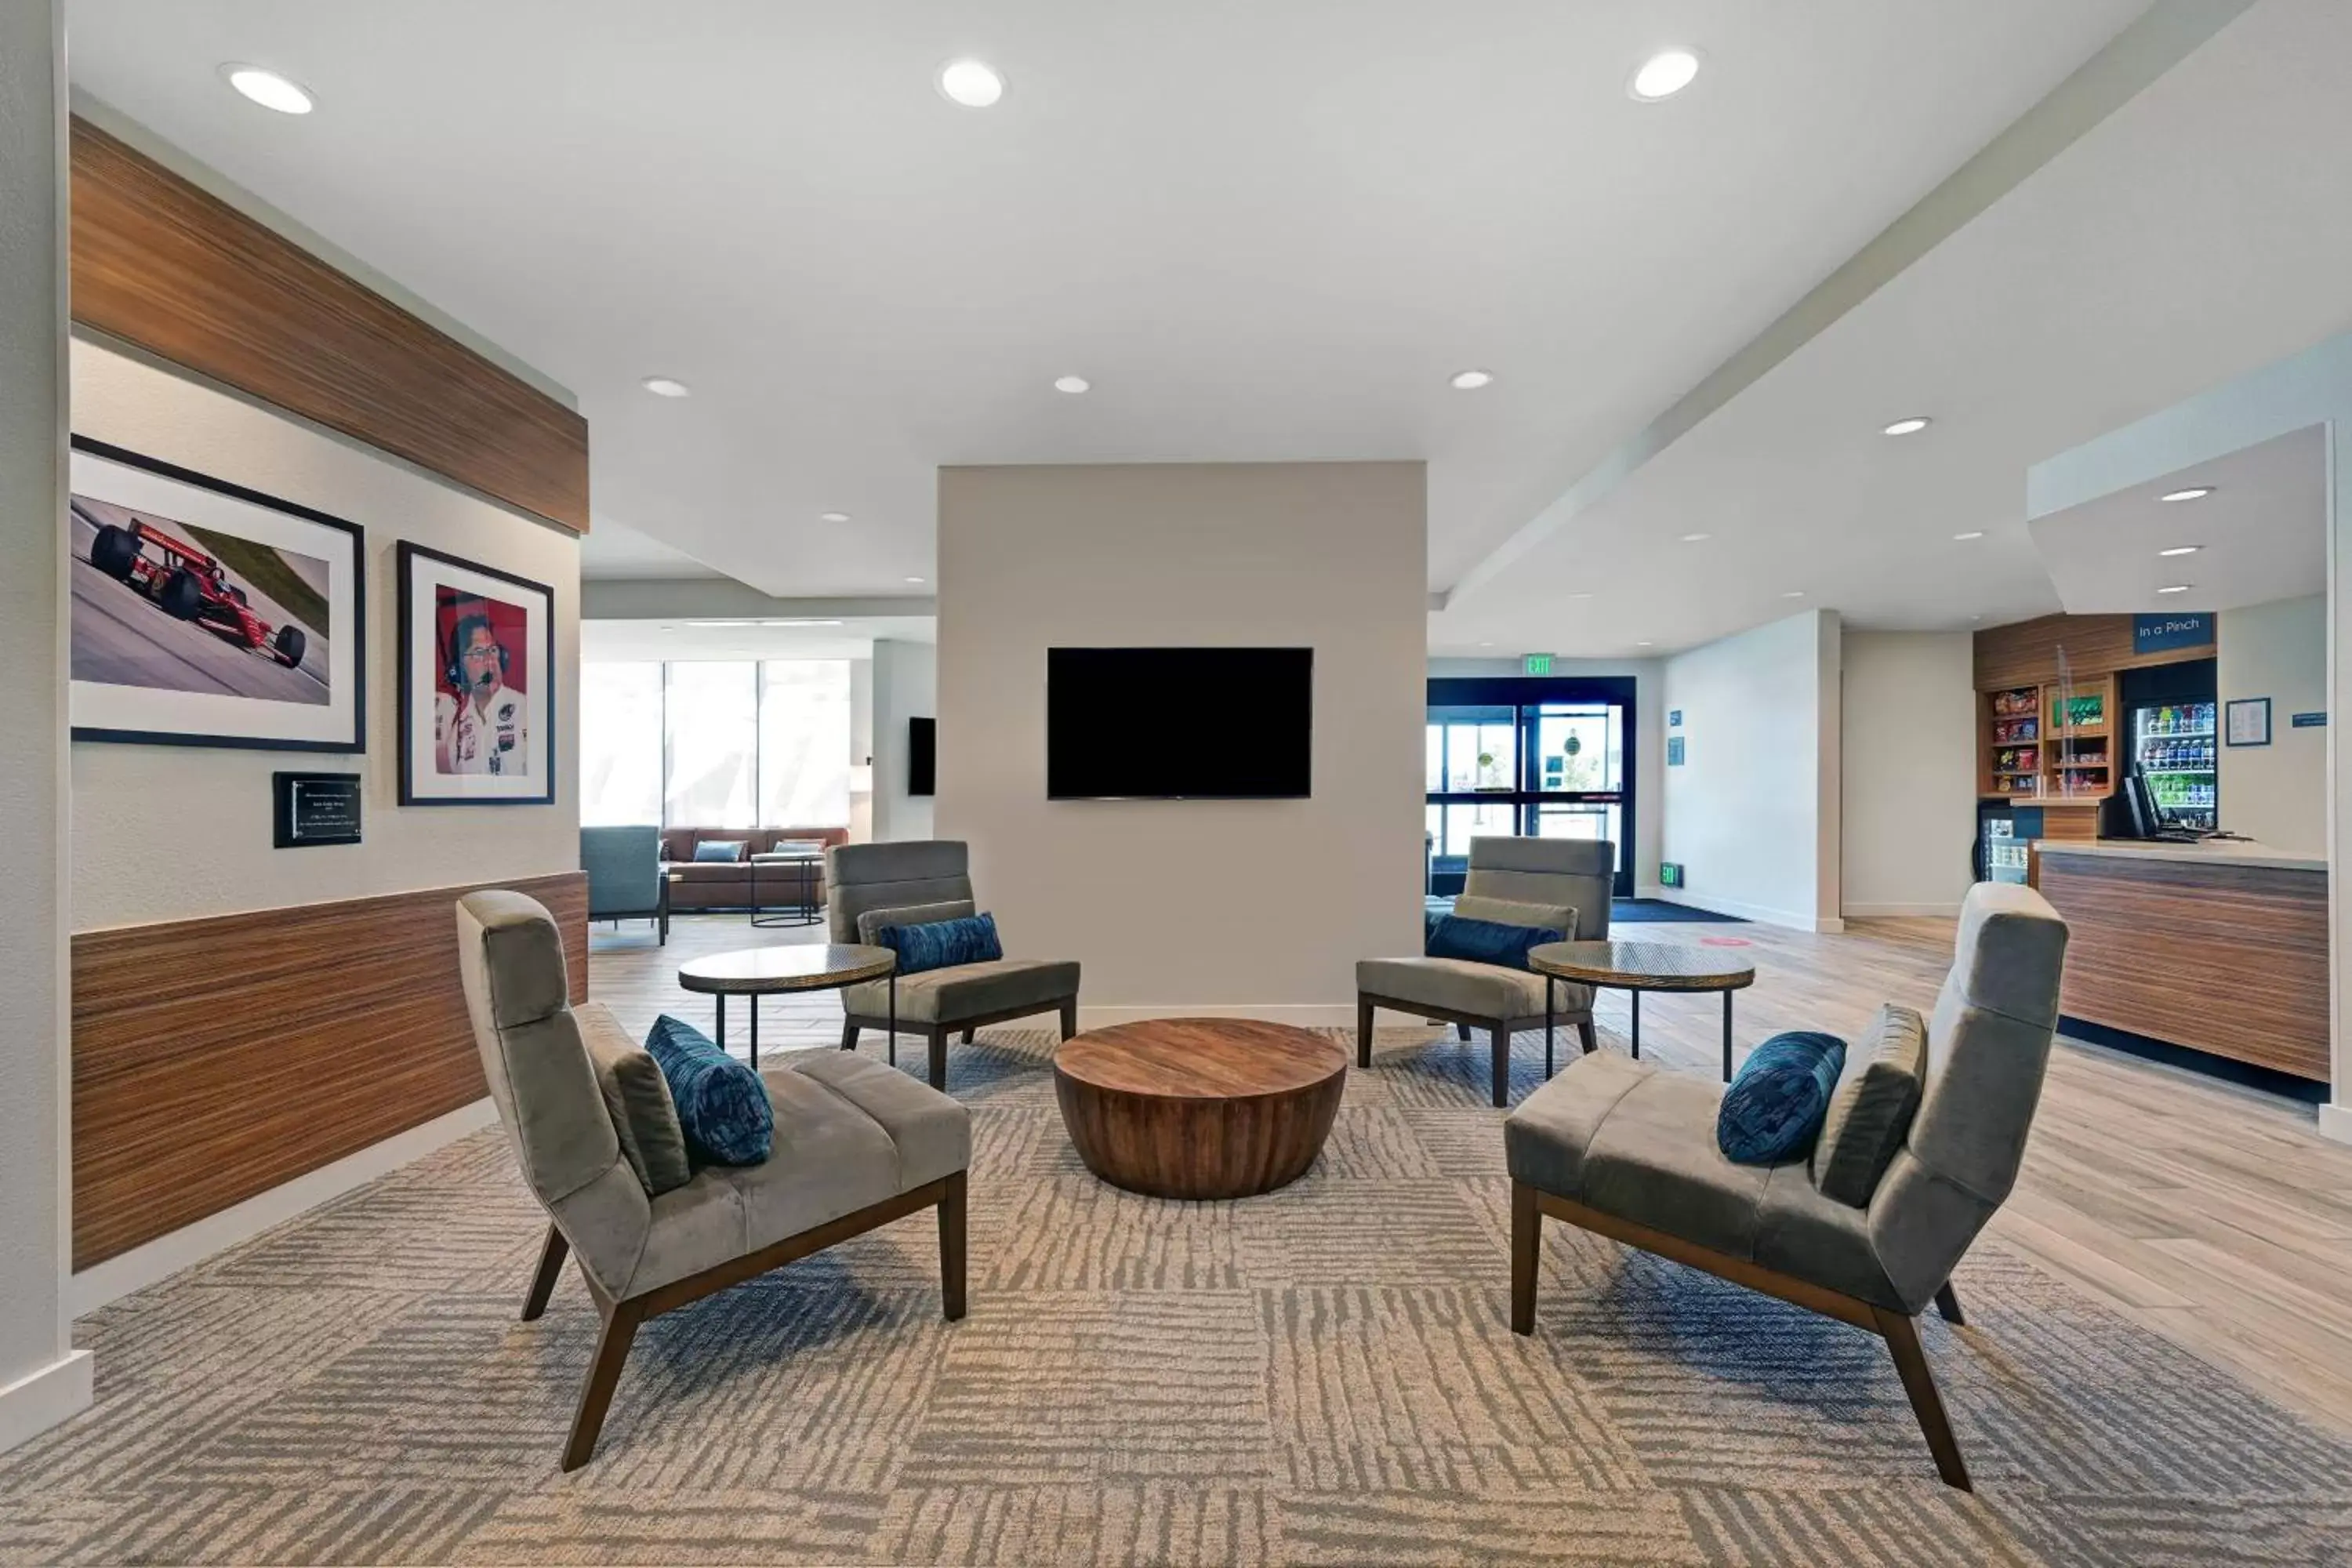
(604, 1372)
(1069, 1017)
(1501, 1029)
(951, 1248)
(1363, 1032)
(938, 1038)
(1911, 1363)
(550, 1268)
(1590, 1035)
(1948, 1304)
(1527, 1247)
(1461, 1031)
(849, 1034)
(967, 1036)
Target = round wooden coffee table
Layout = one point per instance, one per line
(1638, 966)
(1199, 1108)
(757, 971)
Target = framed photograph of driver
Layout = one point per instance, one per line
(476, 684)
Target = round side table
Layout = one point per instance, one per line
(757, 971)
(1634, 967)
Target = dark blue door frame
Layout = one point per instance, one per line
(1524, 695)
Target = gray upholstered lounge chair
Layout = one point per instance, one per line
(1575, 873)
(857, 1146)
(626, 881)
(869, 886)
(1628, 1150)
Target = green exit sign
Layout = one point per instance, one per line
(1535, 663)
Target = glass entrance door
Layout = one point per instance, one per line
(1555, 767)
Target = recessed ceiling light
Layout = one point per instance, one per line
(2194, 492)
(1664, 74)
(1470, 380)
(833, 517)
(663, 386)
(1794, 593)
(1580, 596)
(2181, 550)
(1073, 385)
(268, 89)
(1696, 537)
(2176, 588)
(1485, 645)
(1972, 533)
(917, 580)
(973, 83)
(1911, 426)
(1645, 643)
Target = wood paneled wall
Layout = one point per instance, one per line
(167, 266)
(2026, 653)
(2226, 959)
(215, 1058)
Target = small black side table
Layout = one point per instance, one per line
(803, 911)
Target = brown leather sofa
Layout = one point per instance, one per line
(723, 885)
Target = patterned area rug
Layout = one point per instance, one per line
(1324, 1376)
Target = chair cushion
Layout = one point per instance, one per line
(638, 1098)
(871, 921)
(1560, 918)
(850, 1132)
(1485, 942)
(1638, 1142)
(969, 991)
(720, 1106)
(1458, 985)
(718, 849)
(942, 944)
(1772, 1111)
(1870, 1115)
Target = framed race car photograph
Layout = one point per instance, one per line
(476, 683)
(205, 614)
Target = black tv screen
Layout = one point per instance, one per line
(1179, 724)
(922, 756)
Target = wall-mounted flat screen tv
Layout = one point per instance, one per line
(922, 756)
(1179, 724)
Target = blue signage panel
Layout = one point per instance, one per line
(1674, 751)
(1674, 718)
(2154, 633)
(2309, 720)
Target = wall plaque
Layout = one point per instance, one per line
(309, 809)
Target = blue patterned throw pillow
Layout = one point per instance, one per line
(1485, 942)
(942, 944)
(719, 851)
(722, 1106)
(1775, 1106)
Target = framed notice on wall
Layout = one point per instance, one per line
(2248, 722)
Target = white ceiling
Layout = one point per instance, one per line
(603, 642)
(612, 550)
(1262, 231)
(2262, 535)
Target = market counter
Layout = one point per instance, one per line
(2218, 946)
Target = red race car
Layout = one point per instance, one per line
(190, 585)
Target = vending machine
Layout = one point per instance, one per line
(2175, 743)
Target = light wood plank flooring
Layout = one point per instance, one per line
(2216, 1217)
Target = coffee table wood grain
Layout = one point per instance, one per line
(1199, 1108)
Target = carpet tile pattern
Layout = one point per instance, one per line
(1321, 1375)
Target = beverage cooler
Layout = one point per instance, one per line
(2003, 833)
(2175, 742)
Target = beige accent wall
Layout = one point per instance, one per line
(2277, 794)
(1908, 813)
(170, 832)
(1252, 908)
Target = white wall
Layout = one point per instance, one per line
(906, 686)
(1909, 771)
(861, 746)
(1753, 813)
(2277, 793)
(1649, 742)
(42, 1379)
(1258, 907)
(220, 799)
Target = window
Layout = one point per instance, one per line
(713, 720)
(1526, 758)
(620, 744)
(804, 742)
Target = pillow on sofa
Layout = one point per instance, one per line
(1870, 1115)
(1560, 918)
(1773, 1110)
(722, 1106)
(942, 944)
(1486, 941)
(638, 1096)
(870, 923)
(718, 850)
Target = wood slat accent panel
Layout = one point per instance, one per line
(2026, 652)
(215, 1058)
(165, 265)
(2230, 960)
